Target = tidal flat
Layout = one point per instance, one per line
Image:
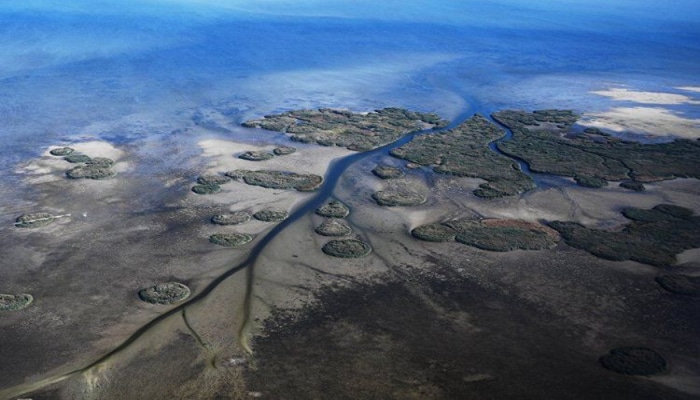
(508, 196)
(229, 313)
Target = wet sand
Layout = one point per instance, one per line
(411, 320)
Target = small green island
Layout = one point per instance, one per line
(272, 179)
(355, 131)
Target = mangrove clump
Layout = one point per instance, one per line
(392, 198)
(15, 302)
(490, 234)
(652, 236)
(434, 233)
(256, 156)
(355, 131)
(278, 179)
(634, 361)
(213, 179)
(347, 248)
(632, 185)
(164, 293)
(230, 239)
(271, 215)
(62, 151)
(209, 188)
(680, 284)
(234, 218)
(34, 220)
(388, 172)
(333, 209)
(90, 172)
(77, 158)
(546, 141)
(284, 150)
(464, 151)
(333, 227)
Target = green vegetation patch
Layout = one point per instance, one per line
(434, 233)
(77, 158)
(590, 181)
(34, 220)
(333, 227)
(464, 151)
(15, 302)
(333, 209)
(210, 188)
(490, 234)
(213, 180)
(387, 172)
(230, 239)
(634, 186)
(234, 218)
(660, 212)
(545, 140)
(652, 237)
(506, 235)
(256, 156)
(284, 150)
(347, 248)
(392, 198)
(62, 151)
(634, 361)
(102, 162)
(271, 215)
(680, 284)
(90, 172)
(278, 179)
(355, 131)
(165, 293)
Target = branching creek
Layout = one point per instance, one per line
(333, 174)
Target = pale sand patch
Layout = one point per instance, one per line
(689, 88)
(646, 97)
(50, 168)
(691, 256)
(223, 157)
(644, 120)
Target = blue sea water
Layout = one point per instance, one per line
(123, 70)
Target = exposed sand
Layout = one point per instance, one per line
(647, 97)
(50, 168)
(644, 120)
(690, 88)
